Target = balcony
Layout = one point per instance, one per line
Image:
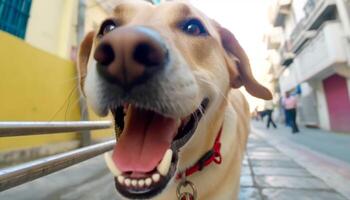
(274, 38)
(323, 53)
(316, 13)
(310, 6)
(287, 56)
(279, 11)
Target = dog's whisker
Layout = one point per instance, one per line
(201, 110)
(71, 105)
(74, 78)
(64, 103)
(216, 88)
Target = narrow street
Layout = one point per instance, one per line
(277, 166)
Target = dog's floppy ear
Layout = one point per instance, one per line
(83, 57)
(238, 58)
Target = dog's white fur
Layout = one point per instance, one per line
(195, 73)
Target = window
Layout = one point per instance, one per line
(14, 16)
(156, 1)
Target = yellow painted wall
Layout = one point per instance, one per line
(37, 86)
(52, 26)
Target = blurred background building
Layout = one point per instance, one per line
(309, 54)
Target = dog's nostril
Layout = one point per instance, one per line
(104, 54)
(150, 55)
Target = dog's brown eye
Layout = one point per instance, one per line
(107, 27)
(194, 27)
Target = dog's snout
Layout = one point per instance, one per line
(128, 56)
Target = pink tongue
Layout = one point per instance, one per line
(144, 141)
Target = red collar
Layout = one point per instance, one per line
(213, 155)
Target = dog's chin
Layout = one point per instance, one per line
(145, 158)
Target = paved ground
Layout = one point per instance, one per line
(270, 174)
(277, 166)
(336, 145)
(323, 154)
(90, 180)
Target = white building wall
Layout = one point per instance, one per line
(51, 26)
(308, 105)
(298, 8)
(289, 78)
(323, 115)
(289, 25)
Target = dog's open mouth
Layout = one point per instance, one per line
(145, 156)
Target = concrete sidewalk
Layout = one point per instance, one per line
(90, 180)
(268, 173)
(335, 145)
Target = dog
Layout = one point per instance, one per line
(170, 77)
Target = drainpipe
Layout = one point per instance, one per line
(85, 136)
(81, 20)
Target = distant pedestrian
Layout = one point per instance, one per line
(290, 105)
(269, 110)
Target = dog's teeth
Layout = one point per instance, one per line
(164, 165)
(121, 179)
(156, 177)
(110, 164)
(127, 182)
(134, 183)
(148, 181)
(141, 183)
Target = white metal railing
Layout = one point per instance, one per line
(20, 174)
(34, 128)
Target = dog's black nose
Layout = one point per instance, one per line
(150, 54)
(128, 56)
(104, 54)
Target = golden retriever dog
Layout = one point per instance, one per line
(170, 77)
